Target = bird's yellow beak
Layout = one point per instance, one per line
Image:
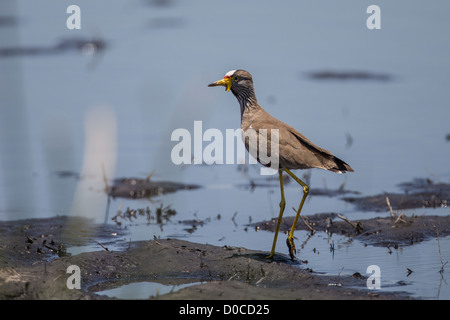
(226, 82)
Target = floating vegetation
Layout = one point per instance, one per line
(160, 216)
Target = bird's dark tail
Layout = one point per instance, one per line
(337, 165)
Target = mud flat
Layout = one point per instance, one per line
(398, 229)
(35, 253)
(387, 231)
(418, 193)
(34, 262)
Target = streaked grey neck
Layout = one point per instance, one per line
(247, 99)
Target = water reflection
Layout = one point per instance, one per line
(144, 290)
(100, 152)
(87, 47)
(160, 216)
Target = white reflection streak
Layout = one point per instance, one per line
(100, 149)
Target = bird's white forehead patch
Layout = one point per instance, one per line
(230, 73)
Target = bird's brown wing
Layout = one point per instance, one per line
(295, 150)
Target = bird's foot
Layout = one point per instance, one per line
(291, 246)
(270, 256)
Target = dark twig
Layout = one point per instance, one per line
(103, 246)
(306, 221)
(357, 226)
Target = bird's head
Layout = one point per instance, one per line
(238, 81)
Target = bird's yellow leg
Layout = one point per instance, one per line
(290, 239)
(282, 206)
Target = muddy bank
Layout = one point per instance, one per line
(395, 230)
(419, 193)
(32, 267)
(388, 231)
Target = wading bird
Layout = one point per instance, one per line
(295, 151)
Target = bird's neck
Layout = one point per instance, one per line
(247, 101)
(248, 104)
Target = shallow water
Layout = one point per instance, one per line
(65, 114)
(143, 290)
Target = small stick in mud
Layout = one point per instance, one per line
(357, 226)
(50, 248)
(400, 218)
(103, 246)
(308, 224)
(149, 176)
(390, 207)
(305, 221)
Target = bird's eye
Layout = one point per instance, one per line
(236, 78)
